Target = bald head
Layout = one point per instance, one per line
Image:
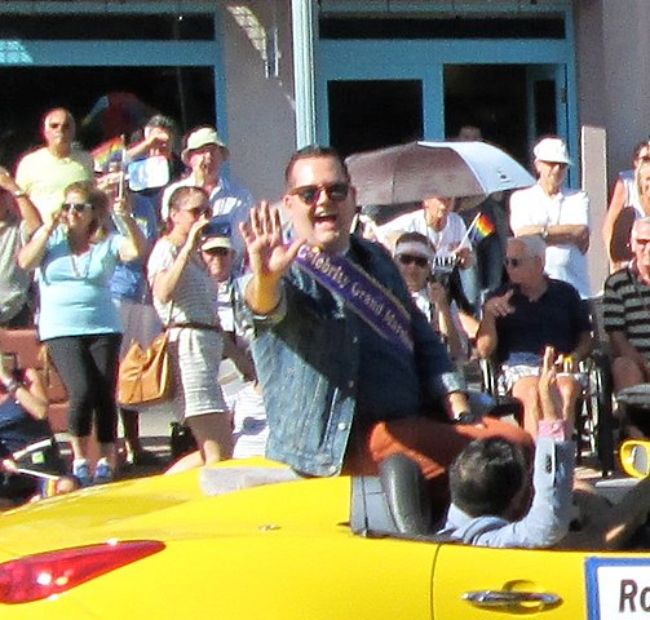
(58, 131)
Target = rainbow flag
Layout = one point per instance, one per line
(481, 227)
(113, 150)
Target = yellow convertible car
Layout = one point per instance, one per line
(248, 540)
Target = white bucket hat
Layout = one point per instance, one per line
(201, 137)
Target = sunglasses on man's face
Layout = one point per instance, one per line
(217, 252)
(515, 262)
(407, 259)
(310, 194)
(77, 207)
(57, 125)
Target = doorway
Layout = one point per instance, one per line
(371, 93)
(512, 104)
(185, 94)
(370, 114)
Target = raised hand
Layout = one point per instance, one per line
(269, 258)
(500, 306)
(548, 395)
(122, 206)
(7, 182)
(194, 237)
(438, 294)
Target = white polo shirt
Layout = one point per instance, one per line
(533, 207)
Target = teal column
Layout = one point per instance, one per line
(303, 18)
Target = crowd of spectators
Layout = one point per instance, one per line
(94, 262)
(95, 256)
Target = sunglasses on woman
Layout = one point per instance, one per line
(407, 259)
(310, 194)
(77, 207)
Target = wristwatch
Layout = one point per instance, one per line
(11, 386)
(19, 193)
(467, 417)
(545, 232)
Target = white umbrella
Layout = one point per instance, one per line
(417, 170)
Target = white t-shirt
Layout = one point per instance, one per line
(444, 241)
(533, 207)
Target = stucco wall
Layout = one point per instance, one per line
(260, 111)
(613, 39)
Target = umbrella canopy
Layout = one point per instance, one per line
(417, 170)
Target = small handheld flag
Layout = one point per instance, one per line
(112, 150)
(481, 228)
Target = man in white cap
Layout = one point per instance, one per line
(205, 153)
(559, 215)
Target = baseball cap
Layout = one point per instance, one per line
(552, 150)
(202, 137)
(212, 243)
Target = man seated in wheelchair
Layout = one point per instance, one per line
(528, 313)
(626, 320)
(26, 439)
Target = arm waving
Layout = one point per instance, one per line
(269, 258)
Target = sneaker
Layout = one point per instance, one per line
(81, 471)
(103, 473)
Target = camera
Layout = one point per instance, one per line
(442, 268)
(218, 226)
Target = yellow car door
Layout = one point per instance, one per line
(478, 582)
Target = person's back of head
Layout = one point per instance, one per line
(488, 478)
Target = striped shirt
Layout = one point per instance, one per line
(192, 300)
(626, 304)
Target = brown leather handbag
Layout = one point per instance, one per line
(145, 375)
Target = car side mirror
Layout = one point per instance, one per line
(634, 455)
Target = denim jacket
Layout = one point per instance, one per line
(307, 357)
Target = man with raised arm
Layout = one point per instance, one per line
(491, 486)
(352, 371)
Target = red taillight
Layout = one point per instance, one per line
(36, 577)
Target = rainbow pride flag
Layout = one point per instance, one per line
(481, 228)
(112, 150)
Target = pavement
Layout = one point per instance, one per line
(155, 429)
(155, 433)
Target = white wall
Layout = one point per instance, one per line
(613, 40)
(261, 119)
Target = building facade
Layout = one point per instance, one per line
(354, 73)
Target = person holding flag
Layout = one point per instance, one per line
(488, 231)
